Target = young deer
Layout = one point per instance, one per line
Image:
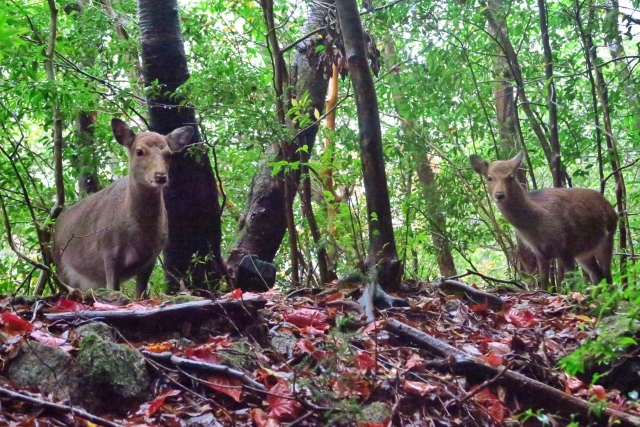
(556, 223)
(118, 232)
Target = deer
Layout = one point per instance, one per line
(118, 232)
(568, 224)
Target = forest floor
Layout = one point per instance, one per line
(306, 359)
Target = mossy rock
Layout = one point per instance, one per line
(118, 373)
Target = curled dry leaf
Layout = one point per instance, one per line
(418, 388)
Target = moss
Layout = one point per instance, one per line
(119, 369)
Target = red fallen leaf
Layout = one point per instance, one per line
(235, 294)
(230, 386)
(374, 327)
(307, 317)
(520, 318)
(15, 323)
(492, 359)
(415, 363)
(491, 402)
(371, 424)
(479, 308)
(160, 347)
(308, 347)
(47, 339)
(418, 388)
(100, 306)
(572, 384)
(281, 401)
(365, 361)
(598, 391)
(150, 408)
(203, 353)
(70, 305)
(334, 296)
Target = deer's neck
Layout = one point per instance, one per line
(145, 203)
(520, 210)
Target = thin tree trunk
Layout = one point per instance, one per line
(85, 156)
(263, 223)
(382, 254)
(498, 31)
(556, 159)
(603, 96)
(191, 198)
(45, 232)
(438, 220)
(617, 52)
(426, 176)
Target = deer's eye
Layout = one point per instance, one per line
(489, 178)
(139, 153)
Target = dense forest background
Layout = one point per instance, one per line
(556, 79)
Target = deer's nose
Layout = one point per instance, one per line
(499, 195)
(161, 178)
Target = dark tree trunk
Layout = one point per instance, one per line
(191, 198)
(556, 160)
(382, 258)
(263, 224)
(85, 158)
(599, 87)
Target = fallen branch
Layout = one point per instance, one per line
(487, 278)
(533, 391)
(454, 287)
(210, 368)
(186, 311)
(60, 408)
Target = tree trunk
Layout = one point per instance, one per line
(614, 41)
(426, 176)
(382, 258)
(556, 160)
(191, 198)
(601, 89)
(84, 156)
(438, 220)
(263, 224)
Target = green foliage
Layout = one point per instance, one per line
(436, 94)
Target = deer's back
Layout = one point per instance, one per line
(569, 221)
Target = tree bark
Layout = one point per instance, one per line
(556, 159)
(263, 224)
(382, 258)
(191, 198)
(84, 157)
(601, 89)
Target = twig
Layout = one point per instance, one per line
(60, 408)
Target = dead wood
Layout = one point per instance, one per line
(535, 392)
(59, 408)
(458, 288)
(210, 368)
(195, 311)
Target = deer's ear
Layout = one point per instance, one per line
(180, 138)
(517, 160)
(123, 133)
(479, 164)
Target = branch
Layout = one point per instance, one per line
(60, 408)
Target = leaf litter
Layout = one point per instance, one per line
(333, 372)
